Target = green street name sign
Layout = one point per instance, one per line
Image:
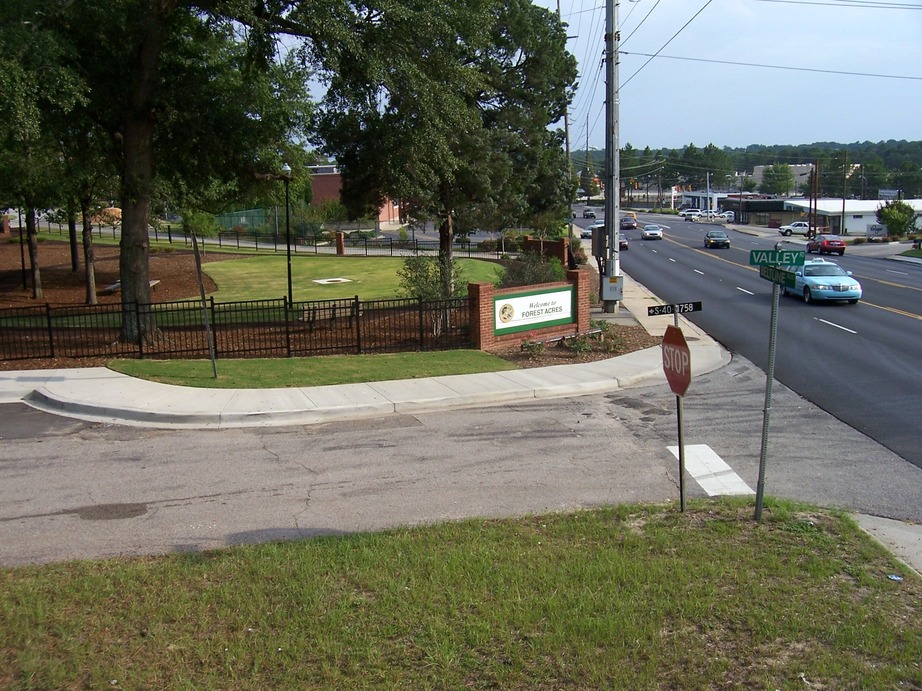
(774, 257)
(776, 275)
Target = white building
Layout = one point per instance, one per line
(859, 214)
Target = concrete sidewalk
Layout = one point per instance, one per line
(101, 395)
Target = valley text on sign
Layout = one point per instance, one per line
(534, 309)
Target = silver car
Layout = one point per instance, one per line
(651, 232)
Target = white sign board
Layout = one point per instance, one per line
(523, 311)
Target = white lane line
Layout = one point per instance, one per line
(743, 290)
(835, 325)
(901, 273)
(711, 471)
(672, 260)
(699, 272)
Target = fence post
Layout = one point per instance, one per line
(356, 309)
(137, 326)
(421, 321)
(50, 328)
(288, 312)
(214, 326)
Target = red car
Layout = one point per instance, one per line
(826, 244)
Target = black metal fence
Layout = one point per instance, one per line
(260, 328)
(265, 240)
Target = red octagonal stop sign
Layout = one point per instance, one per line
(676, 360)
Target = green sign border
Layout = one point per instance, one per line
(572, 319)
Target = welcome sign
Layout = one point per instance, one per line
(532, 309)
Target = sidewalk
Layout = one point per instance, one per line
(100, 395)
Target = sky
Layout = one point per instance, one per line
(852, 71)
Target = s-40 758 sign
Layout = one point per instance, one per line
(679, 308)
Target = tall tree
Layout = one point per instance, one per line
(777, 179)
(455, 134)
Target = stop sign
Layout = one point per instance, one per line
(676, 360)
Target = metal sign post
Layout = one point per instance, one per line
(677, 367)
(768, 262)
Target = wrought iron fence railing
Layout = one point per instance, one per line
(259, 328)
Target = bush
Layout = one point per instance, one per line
(532, 347)
(531, 268)
(421, 277)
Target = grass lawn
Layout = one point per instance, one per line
(631, 597)
(371, 278)
(314, 371)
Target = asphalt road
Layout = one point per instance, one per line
(859, 362)
(70, 489)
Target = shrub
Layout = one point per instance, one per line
(531, 268)
(532, 347)
(578, 344)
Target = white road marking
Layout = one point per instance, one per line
(710, 471)
(743, 290)
(835, 325)
(672, 260)
(901, 273)
(699, 272)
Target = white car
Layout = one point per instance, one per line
(586, 233)
(688, 213)
(796, 228)
(651, 232)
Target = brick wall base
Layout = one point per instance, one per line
(482, 295)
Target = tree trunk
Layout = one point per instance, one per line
(446, 238)
(137, 175)
(32, 239)
(72, 235)
(89, 257)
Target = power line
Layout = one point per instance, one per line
(849, 4)
(771, 67)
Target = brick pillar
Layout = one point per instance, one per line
(5, 226)
(480, 296)
(340, 243)
(579, 278)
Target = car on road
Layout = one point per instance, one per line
(728, 216)
(819, 279)
(628, 223)
(588, 213)
(826, 244)
(716, 238)
(651, 232)
(622, 243)
(586, 233)
(795, 228)
(686, 214)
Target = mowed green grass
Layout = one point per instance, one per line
(632, 597)
(371, 278)
(267, 373)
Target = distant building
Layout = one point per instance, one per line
(327, 183)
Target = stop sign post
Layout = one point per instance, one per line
(677, 367)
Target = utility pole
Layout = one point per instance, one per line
(566, 134)
(843, 230)
(612, 287)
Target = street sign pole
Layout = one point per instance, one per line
(680, 435)
(677, 368)
(766, 410)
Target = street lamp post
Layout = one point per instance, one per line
(286, 174)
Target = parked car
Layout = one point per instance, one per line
(826, 244)
(795, 228)
(716, 238)
(729, 216)
(628, 223)
(588, 213)
(686, 214)
(651, 232)
(819, 279)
